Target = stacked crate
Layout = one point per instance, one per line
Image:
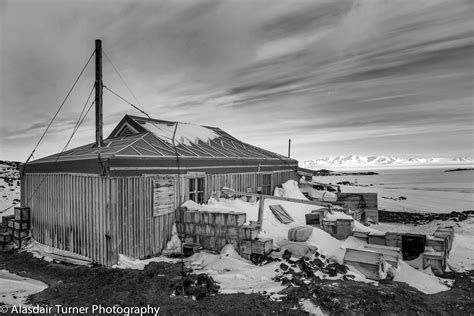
(20, 225)
(5, 237)
(17, 227)
(213, 230)
(344, 227)
(445, 233)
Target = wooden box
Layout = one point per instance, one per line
(369, 263)
(262, 246)
(5, 238)
(344, 227)
(376, 238)
(16, 233)
(245, 247)
(248, 233)
(330, 227)
(361, 235)
(436, 260)
(6, 219)
(19, 225)
(393, 239)
(391, 254)
(438, 244)
(313, 219)
(22, 213)
(232, 232)
(445, 232)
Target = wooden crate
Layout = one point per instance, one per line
(262, 246)
(391, 255)
(376, 238)
(445, 232)
(361, 235)
(437, 261)
(5, 238)
(17, 233)
(369, 263)
(330, 226)
(245, 247)
(19, 225)
(22, 213)
(313, 219)
(6, 219)
(247, 232)
(393, 239)
(344, 227)
(438, 244)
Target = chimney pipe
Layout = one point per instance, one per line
(98, 94)
(289, 147)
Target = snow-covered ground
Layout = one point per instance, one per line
(417, 200)
(15, 289)
(9, 187)
(235, 274)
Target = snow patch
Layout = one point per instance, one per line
(186, 133)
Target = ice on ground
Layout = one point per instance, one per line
(428, 284)
(461, 257)
(15, 289)
(308, 306)
(235, 274)
(173, 246)
(41, 251)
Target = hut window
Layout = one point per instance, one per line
(196, 190)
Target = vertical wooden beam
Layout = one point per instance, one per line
(98, 94)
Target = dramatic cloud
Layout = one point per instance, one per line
(338, 77)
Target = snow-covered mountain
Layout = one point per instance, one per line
(379, 162)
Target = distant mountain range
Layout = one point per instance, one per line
(379, 162)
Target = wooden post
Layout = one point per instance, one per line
(289, 147)
(261, 205)
(98, 94)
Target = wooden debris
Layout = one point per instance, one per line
(281, 214)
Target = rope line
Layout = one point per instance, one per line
(121, 78)
(126, 101)
(80, 119)
(59, 109)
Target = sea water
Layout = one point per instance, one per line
(412, 179)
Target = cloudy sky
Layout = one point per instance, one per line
(337, 77)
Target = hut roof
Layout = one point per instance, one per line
(141, 137)
(140, 145)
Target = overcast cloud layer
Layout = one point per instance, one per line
(337, 77)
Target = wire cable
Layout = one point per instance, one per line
(59, 109)
(80, 119)
(121, 78)
(126, 101)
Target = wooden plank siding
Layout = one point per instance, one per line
(101, 217)
(97, 217)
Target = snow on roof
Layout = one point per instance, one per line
(186, 133)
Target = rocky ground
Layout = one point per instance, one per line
(421, 218)
(156, 285)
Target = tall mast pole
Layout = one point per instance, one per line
(98, 94)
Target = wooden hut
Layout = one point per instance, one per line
(121, 197)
